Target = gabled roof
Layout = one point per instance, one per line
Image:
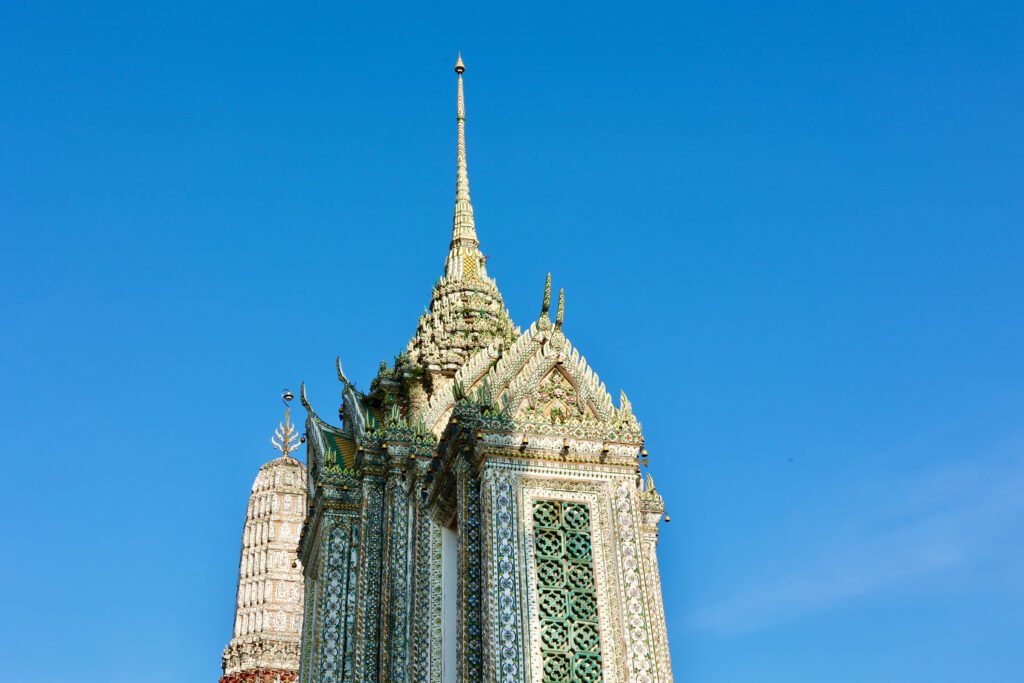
(517, 375)
(330, 445)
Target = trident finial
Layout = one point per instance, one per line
(285, 438)
(560, 314)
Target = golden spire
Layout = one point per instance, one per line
(464, 227)
(285, 438)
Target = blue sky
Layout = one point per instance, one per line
(790, 231)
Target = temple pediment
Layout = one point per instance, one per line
(540, 378)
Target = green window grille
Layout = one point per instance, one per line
(570, 643)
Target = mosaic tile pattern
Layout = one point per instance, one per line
(504, 608)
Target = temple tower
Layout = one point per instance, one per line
(466, 310)
(482, 513)
(268, 613)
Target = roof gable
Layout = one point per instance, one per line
(540, 377)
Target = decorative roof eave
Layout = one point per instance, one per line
(494, 421)
(332, 447)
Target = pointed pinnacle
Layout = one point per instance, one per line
(341, 373)
(546, 304)
(460, 68)
(560, 315)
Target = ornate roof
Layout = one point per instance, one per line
(540, 378)
(333, 447)
(466, 348)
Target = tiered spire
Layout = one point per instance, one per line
(464, 227)
(465, 262)
(466, 311)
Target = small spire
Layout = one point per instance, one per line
(560, 314)
(460, 68)
(546, 304)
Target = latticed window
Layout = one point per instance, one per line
(570, 643)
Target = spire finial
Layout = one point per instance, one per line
(546, 304)
(464, 226)
(560, 314)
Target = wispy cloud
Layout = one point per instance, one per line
(934, 522)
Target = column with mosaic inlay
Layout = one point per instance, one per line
(425, 619)
(367, 655)
(470, 626)
(395, 595)
(331, 578)
(502, 610)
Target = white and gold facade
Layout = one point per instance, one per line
(480, 512)
(268, 608)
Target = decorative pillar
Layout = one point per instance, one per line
(470, 586)
(367, 656)
(502, 615)
(425, 640)
(332, 578)
(652, 509)
(394, 646)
